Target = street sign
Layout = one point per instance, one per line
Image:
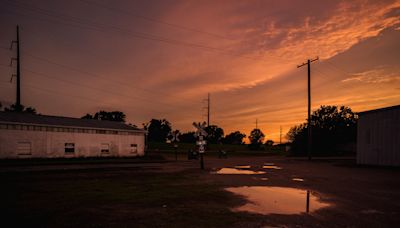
(200, 129)
(201, 142)
(200, 134)
(201, 149)
(173, 136)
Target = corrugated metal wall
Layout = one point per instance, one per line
(378, 137)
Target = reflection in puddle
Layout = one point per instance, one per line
(371, 211)
(242, 167)
(271, 167)
(258, 178)
(237, 171)
(277, 200)
(298, 179)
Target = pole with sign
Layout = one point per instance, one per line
(173, 137)
(201, 143)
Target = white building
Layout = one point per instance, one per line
(378, 137)
(25, 135)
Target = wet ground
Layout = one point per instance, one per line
(242, 191)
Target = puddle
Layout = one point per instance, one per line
(236, 171)
(371, 211)
(271, 167)
(242, 167)
(262, 178)
(277, 200)
(298, 179)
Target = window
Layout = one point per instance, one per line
(105, 148)
(69, 148)
(24, 148)
(134, 148)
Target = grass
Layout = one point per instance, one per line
(80, 160)
(111, 198)
(214, 148)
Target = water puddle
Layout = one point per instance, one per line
(242, 167)
(371, 211)
(270, 166)
(298, 179)
(258, 178)
(236, 171)
(277, 200)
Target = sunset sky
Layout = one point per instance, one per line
(159, 59)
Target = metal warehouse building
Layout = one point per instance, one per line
(378, 137)
(25, 135)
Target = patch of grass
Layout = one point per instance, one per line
(213, 149)
(105, 198)
(80, 160)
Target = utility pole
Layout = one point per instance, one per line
(18, 75)
(256, 123)
(208, 110)
(280, 134)
(208, 101)
(309, 139)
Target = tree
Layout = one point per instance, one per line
(187, 137)
(158, 130)
(269, 142)
(87, 116)
(20, 108)
(331, 127)
(215, 134)
(117, 116)
(234, 138)
(256, 139)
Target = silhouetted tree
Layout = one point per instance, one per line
(234, 138)
(87, 116)
(104, 115)
(256, 139)
(215, 134)
(330, 126)
(20, 108)
(187, 137)
(158, 130)
(269, 142)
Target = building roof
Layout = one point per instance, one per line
(60, 121)
(380, 110)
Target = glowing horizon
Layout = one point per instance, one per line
(244, 53)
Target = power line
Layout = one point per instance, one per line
(152, 20)
(29, 85)
(96, 75)
(100, 28)
(90, 87)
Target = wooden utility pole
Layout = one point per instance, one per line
(208, 110)
(18, 75)
(309, 139)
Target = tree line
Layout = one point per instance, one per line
(159, 129)
(332, 127)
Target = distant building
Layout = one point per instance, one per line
(25, 135)
(378, 137)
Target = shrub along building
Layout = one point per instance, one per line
(378, 137)
(24, 135)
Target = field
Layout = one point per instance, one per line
(153, 192)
